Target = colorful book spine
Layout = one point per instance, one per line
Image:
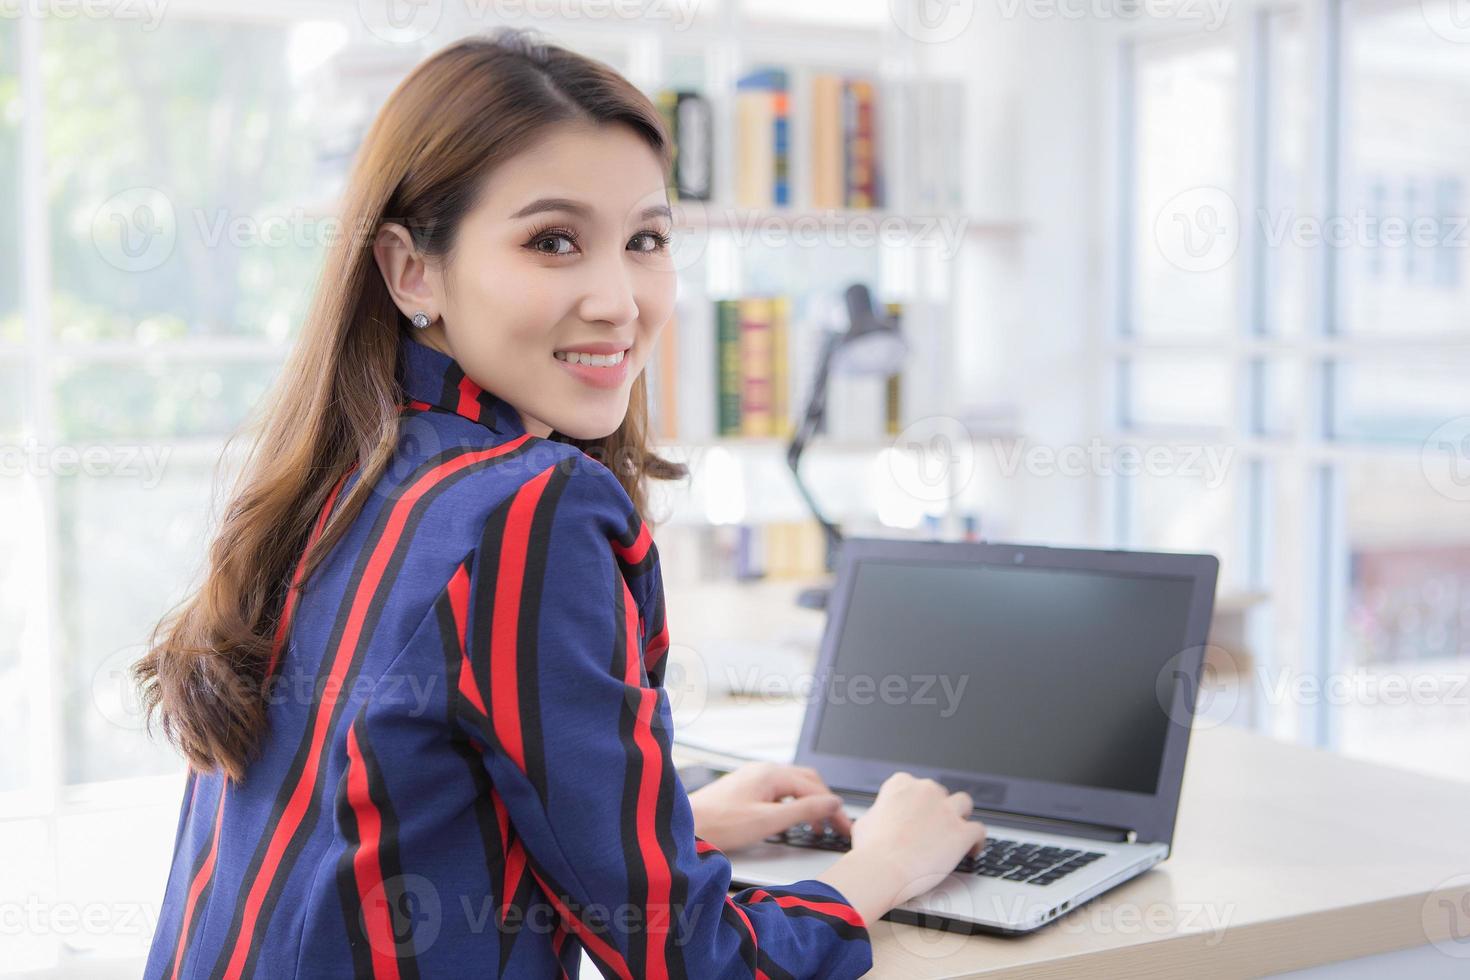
(762, 123)
(781, 148)
(781, 423)
(756, 417)
(861, 183)
(826, 141)
(727, 367)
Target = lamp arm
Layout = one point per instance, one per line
(816, 407)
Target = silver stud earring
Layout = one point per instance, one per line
(421, 319)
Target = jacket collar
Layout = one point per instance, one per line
(433, 379)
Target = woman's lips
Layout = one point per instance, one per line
(598, 377)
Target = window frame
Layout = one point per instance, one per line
(1308, 455)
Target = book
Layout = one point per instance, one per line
(756, 417)
(861, 191)
(689, 121)
(826, 146)
(727, 367)
(762, 132)
(781, 420)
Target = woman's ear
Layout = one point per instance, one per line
(411, 281)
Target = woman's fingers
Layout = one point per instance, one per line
(961, 803)
(795, 781)
(811, 809)
(805, 782)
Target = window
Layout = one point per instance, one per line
(1322, 342)
(1185, 216)
(1405, 162)
(178, 261)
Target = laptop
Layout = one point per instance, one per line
(1055, 686)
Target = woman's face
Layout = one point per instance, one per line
(565, 255)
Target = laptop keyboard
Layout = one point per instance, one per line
(1009, 860)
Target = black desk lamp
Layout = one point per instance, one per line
(871, 344)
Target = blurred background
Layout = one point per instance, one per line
(1176, 275)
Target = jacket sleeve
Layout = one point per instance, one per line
(552, 692)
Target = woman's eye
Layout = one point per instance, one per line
(656, 241)
(553, 239)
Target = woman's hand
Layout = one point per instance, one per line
(749, 804)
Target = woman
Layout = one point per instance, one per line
(419, 687)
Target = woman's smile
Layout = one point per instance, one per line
(593, 367)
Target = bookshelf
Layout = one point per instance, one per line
(913, 248)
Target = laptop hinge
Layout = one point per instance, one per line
(1053, 825)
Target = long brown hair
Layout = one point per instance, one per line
(335, 406)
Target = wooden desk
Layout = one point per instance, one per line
(1284, 857)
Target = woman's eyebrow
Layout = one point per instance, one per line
(575, 207)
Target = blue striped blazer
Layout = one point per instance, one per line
(467, 767)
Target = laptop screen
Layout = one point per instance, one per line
(1035, 673)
